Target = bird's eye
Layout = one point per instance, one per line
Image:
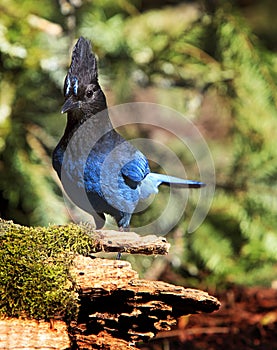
(89, 93)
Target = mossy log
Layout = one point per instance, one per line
(92, 303)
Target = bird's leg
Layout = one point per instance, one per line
(99, 219)
(121, 229)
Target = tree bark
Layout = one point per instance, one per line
(118, 309)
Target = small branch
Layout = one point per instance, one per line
(183, 333)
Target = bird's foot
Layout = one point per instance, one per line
(121, 229)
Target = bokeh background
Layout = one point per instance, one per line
(213, 61)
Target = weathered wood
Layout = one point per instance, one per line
(119, 306)
(129, 242)
(103, 340)
(31, 334)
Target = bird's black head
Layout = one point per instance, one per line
(83, 94)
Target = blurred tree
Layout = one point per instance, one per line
(30, 97)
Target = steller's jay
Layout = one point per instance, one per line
(100, 171)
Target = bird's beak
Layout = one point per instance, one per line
(70, 105)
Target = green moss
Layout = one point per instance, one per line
(34, 269)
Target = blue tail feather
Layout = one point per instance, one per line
(174, 181)
(152, 181)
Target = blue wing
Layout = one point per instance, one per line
(135, 170)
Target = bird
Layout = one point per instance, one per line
(100, 171)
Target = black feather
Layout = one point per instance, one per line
(83, 68)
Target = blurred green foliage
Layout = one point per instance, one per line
(175, 55)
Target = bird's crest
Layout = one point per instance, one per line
(83, 68)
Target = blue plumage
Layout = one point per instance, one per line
(100, 171)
